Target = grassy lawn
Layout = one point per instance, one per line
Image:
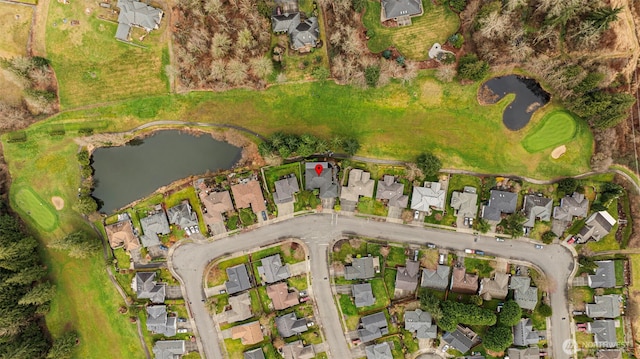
(264, 299)
(368, 205)
(247, 217)
(480, 266)
(306, 200)
(353, 248)
(390, 280)
(581, 295)
(235, 349)
(619, 270)
(298, 282)
(92, 67)
(290, 253)
(349, 311)
(217, 275)
(14, 24)
(41, 212)
(555, 129)
(272, 174)
(396, 257)
(414, 41)
(608, 242)
(122, 257)
(256, 304)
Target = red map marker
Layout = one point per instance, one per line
(319, 169)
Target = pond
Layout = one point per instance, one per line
(529, 97)
(126, 173)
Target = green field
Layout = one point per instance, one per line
(41, 212)
(414, 41)
(555, 128)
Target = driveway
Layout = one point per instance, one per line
(319, 230)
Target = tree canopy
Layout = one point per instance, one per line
(429, 164)
(497, 338)
(510, 313)
(78, 244)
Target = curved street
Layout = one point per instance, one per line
(189, 261)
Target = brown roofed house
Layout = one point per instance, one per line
(216, 204)
(407, 277)
(249, 333)
(281, 297)
(120, 234)
(249, 195)
(463, 282)
(496, 287)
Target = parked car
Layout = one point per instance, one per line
(187, 230)
(470, 222)
(466, 221)
(571, 240)
(479, 252)
(310, 324)
(182, 320)
(469, 251)
(303, 293)
(304, 299)
(578, 312)
(416, 215)
(195, 229)
(264, 215)
(442, 258)
(163, 247)
(431, 245)
(182, 330)
(539, 246)
(498, 239)
(223, 291)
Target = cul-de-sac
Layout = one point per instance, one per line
(319, 179)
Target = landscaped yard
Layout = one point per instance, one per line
(555, 128)
(272, 174)
(217, 274)
(396, 257)
(414, 41)
(368, 205)
(480, 266)
(306, 200)
(349, 311)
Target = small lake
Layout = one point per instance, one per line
(126, 173)
(529, 97)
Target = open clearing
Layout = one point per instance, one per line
(39, 211)
(15, 21)
(436, 25)
(555, 128)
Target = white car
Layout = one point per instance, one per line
(187, 230)
(182, 330)
(416, 215)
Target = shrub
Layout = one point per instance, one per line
(429, 164)
(371, 75)
(545, 310)
(471, 68)
(457, 5)
(456, 40)
(386, 54)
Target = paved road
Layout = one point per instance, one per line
(317, 231)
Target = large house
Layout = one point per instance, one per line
(400, 10)
(536, 207)
(596, 227)
(272, 270)
(436, 279)
(297, 350)
(303, 34)
(326, 181)
(496, 287)
(605, 276)
(286, 188)
(465, 203)
(239, 308)
(216, 204)
(146, 287)
(499, 202)
(249, 194)
(523, 293)
(392, 192)
(604, 333)
(605, 306)
(407, 277)
(289, 325)
(363, 295)
(420, 323)
(120, 234)
(462, 339)
(463, 282)
(281, 297)
(431, 196)
(238, 279)
(136, 14)
(169, 349)
(362, 268)
(576, 205)
(524, 334)
(153, 225)
(249, 334)
(379, 351)
(360, 185)
(159, 322)
(182, 215)
(372, 327)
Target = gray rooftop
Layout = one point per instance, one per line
(158, 322)
(392, 191)
(462, 339)
(146, 287)
(597, 226)
(306, 33)
(398, 8)
(523, 293)
(379, 351)
(407, 277)
(605, 276)
(285, 189)
(500, 202)
(373, 327)
(238, 279)
(289, 325)
(420, 323)
(256, 353)
(153, 225)
(605, 306)
(604, 333)
(360, 184)
(240, 308)
(326, 182)
(297, 350)
(182, 215)
(537, 207)
(284, 21)
(432, 195)
(136, 13)
(465, 203)
(360, 268)
(609, 354)
(525, 353)
(436, 279)
(524, 334)
(169, 349)
(363, 295)
(272, 269)
(572, 206)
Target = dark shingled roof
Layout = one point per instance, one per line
(397, 8)
(238, 279)
(289, 325)
(373, 327)
(500, 202)
(605, 276)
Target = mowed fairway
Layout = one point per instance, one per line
(41, 212)
(92, 66)
(436, 24)
(556, 128)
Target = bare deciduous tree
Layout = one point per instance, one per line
(261, 66)
(236, 72)
(220, 45)
(446, 73)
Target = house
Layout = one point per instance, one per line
(182, 215)
(215, 203)
(379, 351)
(238, 279)
(525, 353)
(523, 293)
(604, 333)
(256, 353)
(536, 207)
(391, 191)
(524, 334)
(249, 334)
(326, 182)
(400, 10)
(120, 234)
(249, 194)
(605, 306)
(159, 323)
(570, 207)
(272, 269)
(609, 354)
(285, 189)
(152, 226)
(359, 184)
(462, 339)
(499, 202)
(136, 14)
(303, 34)
(463, 282)
(297, 350)
(169, 349)
(605, 276)
(363, 295)
(372, 327)
(239, 308)
(407, 277)
(436, 279)
(465, 203)
(146, 287)
(596, 227)
(496, 287)
(281, 297)
(289, 325)
(431, 195)
(362, 268)
(420, 323)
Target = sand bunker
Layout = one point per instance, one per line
(558, 151)
(58, 202)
